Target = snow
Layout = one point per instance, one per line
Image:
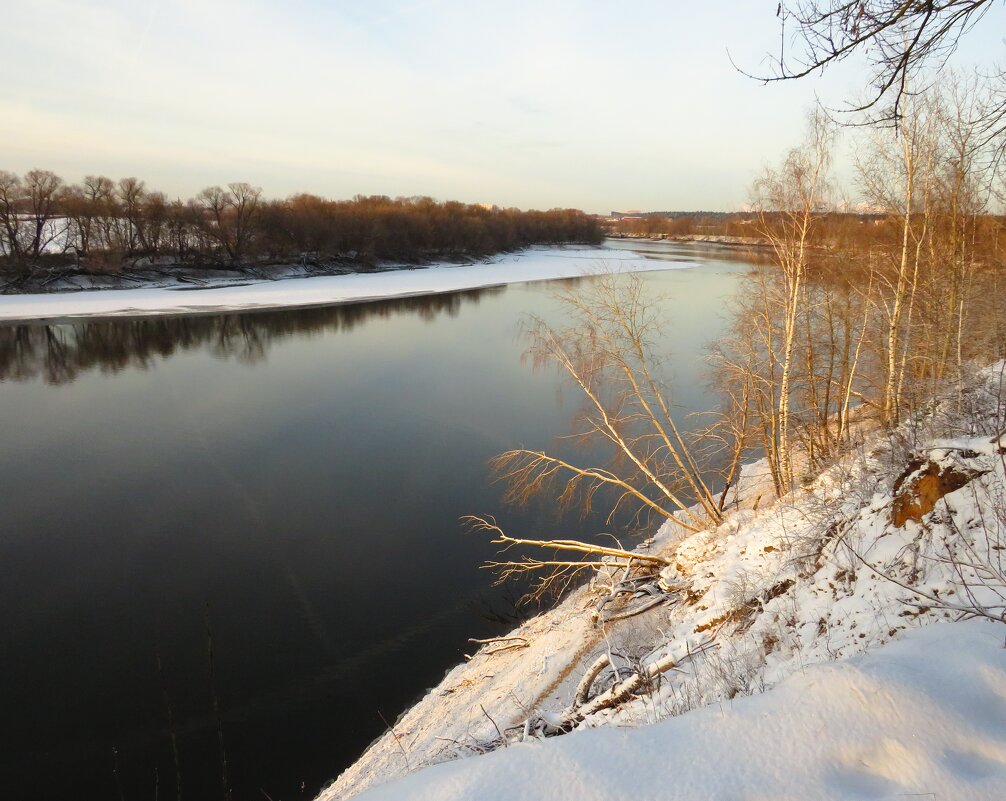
(924, 716)
(535, 264)
(797, 594)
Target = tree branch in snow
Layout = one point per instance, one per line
(621, 691)
(556, 574)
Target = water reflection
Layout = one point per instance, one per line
(60, 353)
(311, 503)
(697, 251)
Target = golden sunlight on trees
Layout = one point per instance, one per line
(100, 225)
(868, 326)
(795, 195)
(851, 322)
(606, 353)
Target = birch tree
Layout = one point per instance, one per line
(789, 202)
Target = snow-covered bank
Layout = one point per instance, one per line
(905, 531)
(923, 717)
(535, 264)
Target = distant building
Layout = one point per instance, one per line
(626, 215)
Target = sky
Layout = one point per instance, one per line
(534, 104)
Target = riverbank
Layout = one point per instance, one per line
(297, 287)
(917, 717)
(889, 539)
(164, 272)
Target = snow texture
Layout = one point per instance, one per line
(534, 264)
(923, 717)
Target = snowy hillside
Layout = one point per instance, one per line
(925, 716)
(907, 530)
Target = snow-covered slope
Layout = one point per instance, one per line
(534, 264)
(906, 530)
(923, 717)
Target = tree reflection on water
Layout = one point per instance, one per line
(59, 353)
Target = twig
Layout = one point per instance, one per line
(397, 739)
(502, 738)
(650, 604)
(497, 639)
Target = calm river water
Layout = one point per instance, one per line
(278, 491)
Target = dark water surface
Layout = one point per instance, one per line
(282, 489)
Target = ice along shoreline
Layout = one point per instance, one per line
(534, 264)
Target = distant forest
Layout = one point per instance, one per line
(834, 230)
(98, 225)
(679, 223)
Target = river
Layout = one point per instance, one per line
(236, 537)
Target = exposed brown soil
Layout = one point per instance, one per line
(921, 485)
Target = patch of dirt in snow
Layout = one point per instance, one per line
(922, 484)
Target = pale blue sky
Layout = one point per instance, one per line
(534, 104)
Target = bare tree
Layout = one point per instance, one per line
(99, 195)
(898, 175)
(570, 559)
(131, 194)
(231, 213)
(11, 195)
(898, 38)
(154, 224)
(607, 355)
(42, 190)
(90, 210)
(789, 201)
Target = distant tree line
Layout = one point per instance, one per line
(99, 223)
(684, 224)
(833, 231)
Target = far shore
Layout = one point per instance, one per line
(297, 287)
(705, 239)
(166, 274)
(151, 273)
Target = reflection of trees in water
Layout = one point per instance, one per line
(59, 353)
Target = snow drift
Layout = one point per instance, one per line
(924, 717)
